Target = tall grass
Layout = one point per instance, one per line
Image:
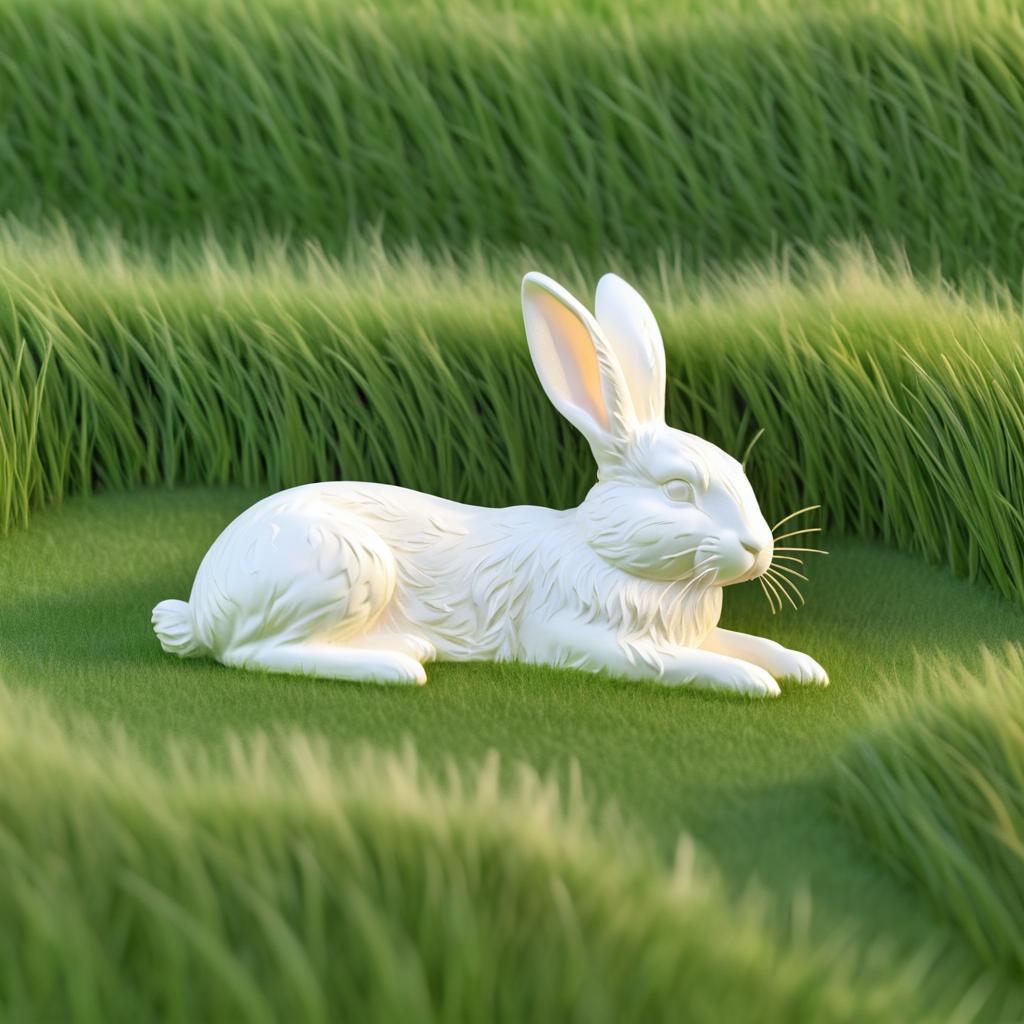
(897, 406)
(286, 886)
(938, 789)
(717, 134)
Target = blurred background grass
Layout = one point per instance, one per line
(713, 134)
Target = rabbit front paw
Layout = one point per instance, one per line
(799, 667)
(720, 672)
(743, 677)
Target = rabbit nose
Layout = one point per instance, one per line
(751, 547)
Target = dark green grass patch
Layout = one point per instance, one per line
(719, 134)
(897, 407)
(937, 787)
(745, 778)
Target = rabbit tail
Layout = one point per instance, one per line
(176, 629)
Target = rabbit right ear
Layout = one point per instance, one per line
(630, 326)
(576, 365)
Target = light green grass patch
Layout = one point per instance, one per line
(937, 787)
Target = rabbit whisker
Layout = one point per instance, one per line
(787, 586)
(810, 551)
(795, 589)
(796, 533)
(679, 554)
(787, 558)
(774, 587)
(779, 591)
(696, 579)
(767, 596)
(793, 515)
(792, 572)
(775, 590)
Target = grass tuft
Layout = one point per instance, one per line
(938, 789)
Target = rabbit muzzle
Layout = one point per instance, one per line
(736, 558)
(758, 555)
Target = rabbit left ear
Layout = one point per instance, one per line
(576, 365)
(632, 331)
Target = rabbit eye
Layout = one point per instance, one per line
(680, 490)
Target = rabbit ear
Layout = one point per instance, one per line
(630, 327)
(576, 364)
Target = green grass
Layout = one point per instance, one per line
(715, 133)
(171, 175)
(938, 788)
(291, 887)
(750, 781)
(895, 405)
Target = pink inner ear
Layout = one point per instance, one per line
(577, 373)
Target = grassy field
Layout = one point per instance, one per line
(245, 245)
(750, 782)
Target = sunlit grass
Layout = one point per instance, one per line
(894, 405)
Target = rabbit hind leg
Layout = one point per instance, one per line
(332, 661)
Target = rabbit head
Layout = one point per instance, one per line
(667, 505)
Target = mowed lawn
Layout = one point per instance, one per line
(749, 780)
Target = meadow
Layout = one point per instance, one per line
(245, 246)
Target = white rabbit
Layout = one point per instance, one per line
(369, 581)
